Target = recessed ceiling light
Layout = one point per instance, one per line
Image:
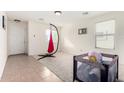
(58, 13)
(17, 20)
(85, 13)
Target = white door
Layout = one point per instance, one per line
(16, 37)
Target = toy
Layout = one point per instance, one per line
(92, 59)
(94, 56)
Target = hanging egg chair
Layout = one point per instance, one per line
(51, 47)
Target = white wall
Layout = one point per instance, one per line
(3, 47)
(17, 37)
(38, 41)
(74, 43)
(77, 44)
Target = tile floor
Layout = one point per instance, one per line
(22, 68)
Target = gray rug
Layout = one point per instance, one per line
(61, 65)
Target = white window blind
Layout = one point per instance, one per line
(105, 32)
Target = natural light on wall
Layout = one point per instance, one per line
(105, 32)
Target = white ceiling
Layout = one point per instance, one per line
(49, 16)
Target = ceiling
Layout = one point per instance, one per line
(49, 16)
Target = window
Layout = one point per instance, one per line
(105, 32)
(54, 35)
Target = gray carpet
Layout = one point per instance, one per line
(61, 65)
